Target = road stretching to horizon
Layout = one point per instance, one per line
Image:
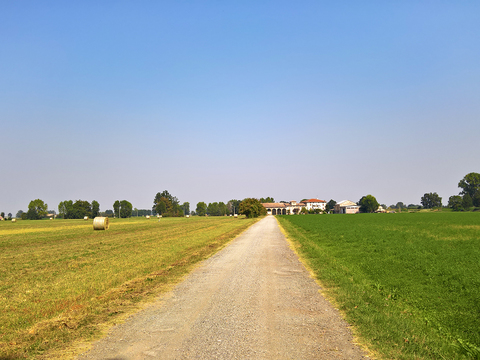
(252, 300)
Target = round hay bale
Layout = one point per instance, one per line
(148, 216)
(85, 218)
(100, 223)
(14, 220)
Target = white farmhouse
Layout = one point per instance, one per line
(315, 204)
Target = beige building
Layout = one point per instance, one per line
(284, 208)
(346, 207)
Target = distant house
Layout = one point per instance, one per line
(315, 204)
(380, 209)
(284, 208)
(346, 207)
(1, 218)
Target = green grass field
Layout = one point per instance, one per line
(61, 282)
(409, 283)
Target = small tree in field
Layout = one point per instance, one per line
(36, 209)
(252, 208)
(431, 200)
(368, 204)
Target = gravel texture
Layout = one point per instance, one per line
(252, 300)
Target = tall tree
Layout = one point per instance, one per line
(431, 200)
(368, 204)
(171, 204)
(267, 200)
(222, 209)
(201, 209)
(81, 209)
(95, 208)
(126, 209)
(186, 208)
(37, 209)
(470, 184)
(212, 209)
(116, 208)
(68, 209)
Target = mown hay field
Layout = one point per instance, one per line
(61, 282)
(409, 283)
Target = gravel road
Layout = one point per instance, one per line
(252, 300)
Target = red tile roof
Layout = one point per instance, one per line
(314, 200)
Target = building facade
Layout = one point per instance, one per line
(346, 207)
(315, 204)
(284, 208)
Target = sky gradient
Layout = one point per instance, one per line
(215, 101)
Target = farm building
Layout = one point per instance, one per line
(284, 208)
(346, 207)
(315, 204)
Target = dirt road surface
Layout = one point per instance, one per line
(252, 300)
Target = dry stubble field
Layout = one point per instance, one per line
(62, 283)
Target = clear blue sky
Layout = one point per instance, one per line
(213, 100)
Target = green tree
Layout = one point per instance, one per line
(201, 209)
(116, 208)
(66, 210)
(431, 200)
(95, 208)
(476, 199)
(81, 208)
(2, 214)
(233, 206)
(252, 208)
(212, 209)
(37, 209)
(164, 207)
(455, 202)
(125, 209)
(186, 208)
(172, 206)
(331, 204)
(222, 209)
(470, 184)
(62, 209)
(267, 200)
(467, 202)
(368, 204)
(19, 214)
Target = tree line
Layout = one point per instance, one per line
(165, 204)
